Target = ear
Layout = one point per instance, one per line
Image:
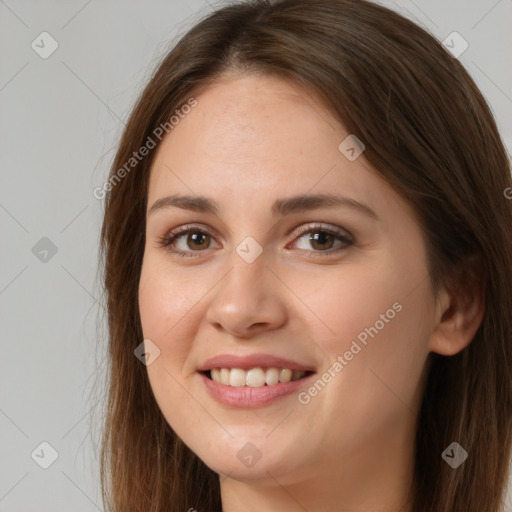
(459, 312)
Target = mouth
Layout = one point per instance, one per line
(256, 377)
(253, 380)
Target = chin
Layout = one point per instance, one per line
(241, 459)
(234, 469)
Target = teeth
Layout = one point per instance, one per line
(285, 375)
(237, 377)
(255, 377)
(272, 376)
(224, 376)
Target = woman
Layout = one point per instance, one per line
(308, 251)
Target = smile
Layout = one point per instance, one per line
(252, 380)
(249, 389)
(254, 377)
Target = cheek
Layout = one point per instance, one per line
(384, 296)
(170, 309)
(350, 300)
(169, 306)
(376, 320)
(168, 300)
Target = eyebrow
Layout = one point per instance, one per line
(281, 207)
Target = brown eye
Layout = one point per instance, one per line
(186, 241)
(318, 240)
(198, 240)
(321, 240)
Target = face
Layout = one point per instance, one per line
(336, 292)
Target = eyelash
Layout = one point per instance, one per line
(166, 240)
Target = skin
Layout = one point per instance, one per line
(249, 141)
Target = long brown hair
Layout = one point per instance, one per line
(429, 132)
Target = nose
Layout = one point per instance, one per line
(248, 300)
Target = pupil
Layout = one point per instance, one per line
(320, 237)
(194, 237)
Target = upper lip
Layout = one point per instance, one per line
(251, 361)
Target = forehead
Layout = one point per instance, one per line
(255, 138)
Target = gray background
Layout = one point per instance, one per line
(60, 120)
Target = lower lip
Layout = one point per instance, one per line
(247, 397)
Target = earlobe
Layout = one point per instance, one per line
(458, 317)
